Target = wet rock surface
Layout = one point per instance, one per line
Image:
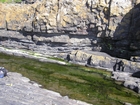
(18, 90)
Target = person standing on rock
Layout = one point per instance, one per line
(3, 72)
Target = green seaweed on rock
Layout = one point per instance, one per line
(79, 82)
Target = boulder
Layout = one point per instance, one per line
(127, 103)
(121, 76)
(130, 84)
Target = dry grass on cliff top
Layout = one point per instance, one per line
(87, 84)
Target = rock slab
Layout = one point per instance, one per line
(18, 90)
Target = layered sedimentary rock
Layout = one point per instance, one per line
(94, 17)
(75, 29)
(111, 26)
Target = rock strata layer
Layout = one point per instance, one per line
(18, 90)
(111, 26)
(71, 16)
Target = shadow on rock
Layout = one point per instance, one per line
(126, 38)
(136, 74)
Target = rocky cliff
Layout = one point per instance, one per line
(76, 30)
(56, 26)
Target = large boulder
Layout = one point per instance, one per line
(130, 84)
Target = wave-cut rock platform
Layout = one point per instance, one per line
(18, 90)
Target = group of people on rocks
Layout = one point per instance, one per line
(119, 66)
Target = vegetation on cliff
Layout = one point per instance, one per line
(10, 1)
(78, 82)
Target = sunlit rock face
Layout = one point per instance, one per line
(72, 16)
(111, 26)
